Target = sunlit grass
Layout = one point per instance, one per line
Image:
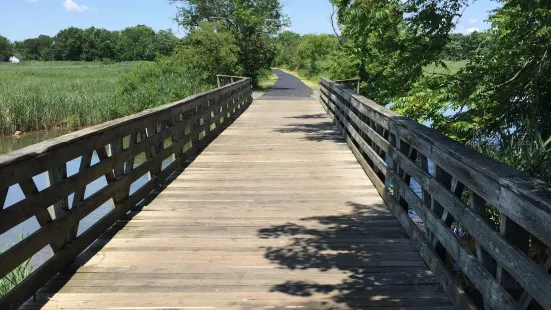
(267, 81)
(46, 95)
(452, 67)
(17, 275)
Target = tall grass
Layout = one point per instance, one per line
(45, 95)
(17, 275)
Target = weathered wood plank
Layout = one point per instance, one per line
(3, 196)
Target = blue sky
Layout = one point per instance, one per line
(22, 19)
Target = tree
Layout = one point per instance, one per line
(252, 23)
(395, 39)
(455, 49)
(286, 46)
(69, 44)
(313, 48)
(99, 44)
(107, 43)
(5, 49)
(36, 49)
(208, 50)
(474, 42)
(499, 103)
(137, 43)
(166, 42)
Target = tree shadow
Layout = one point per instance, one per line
(317, 131)
(310, 116)
(368, 246)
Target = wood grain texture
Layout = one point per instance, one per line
(275, 212)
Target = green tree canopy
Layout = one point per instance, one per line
(137, 43)
(286, 45)
(313, 48)
(250, 22)
(5, 48)
(69, 44)
(498, 103)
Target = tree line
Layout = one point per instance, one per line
(316, 54)
(93, 44)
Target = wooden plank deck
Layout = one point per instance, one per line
(275, 214)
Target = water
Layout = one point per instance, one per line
(11, 237)
(11, 143)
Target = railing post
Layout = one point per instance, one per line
(358, 86)
(218, 80)
(55, 175)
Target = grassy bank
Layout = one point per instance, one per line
(267, 80)
(45, 95)
(453, 67)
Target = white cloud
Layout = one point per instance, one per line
(473, 21)
(473, 29)
(72, 6)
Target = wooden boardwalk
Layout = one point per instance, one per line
(276, 213)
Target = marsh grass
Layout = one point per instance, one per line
(17, 275)
(46, 95)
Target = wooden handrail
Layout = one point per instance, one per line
(224, 80)
(353, 84)
(458, 186)
(189, 125)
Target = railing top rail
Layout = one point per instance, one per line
(73, 137)
(347, 80)
(232, 76)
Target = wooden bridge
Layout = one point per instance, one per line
(282, 202)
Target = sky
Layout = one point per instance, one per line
(22, 19)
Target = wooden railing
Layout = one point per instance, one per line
(175, 132)
(454, 190)
(352, 84)
(224, 80)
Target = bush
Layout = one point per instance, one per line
(153, 84)
(207, 51)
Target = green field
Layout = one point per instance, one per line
(453, 67)
(46, 95)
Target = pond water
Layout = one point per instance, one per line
(11, 237)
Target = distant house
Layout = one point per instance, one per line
(14, 60)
